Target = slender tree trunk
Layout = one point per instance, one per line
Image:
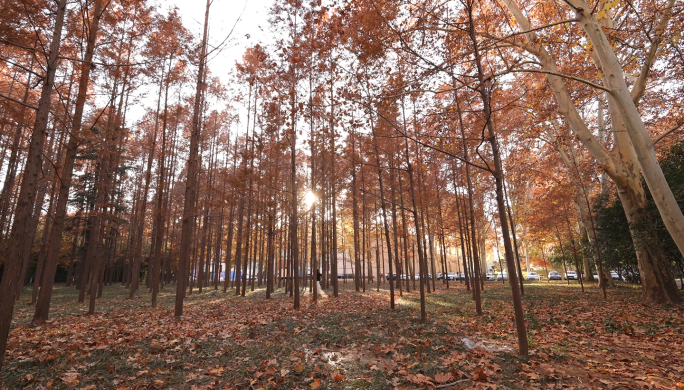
(515, 241)
(355, 217)
(159, 215)
(238, 243)
(13, 163)
(574, 252)
(137, 251)
(404, 228)
(394, 229)
(470, 216)
(190, 186)
(485, 91)
(418, 235)
(333, 183)
(384, 220)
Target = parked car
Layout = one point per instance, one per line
(501, 276)
(553, 275)
(489, 276)
(571, 275)
(533, 276)
(439, 276)
(451, 276)
(613, 275)
(394, 276)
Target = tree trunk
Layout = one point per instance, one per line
(626, 112)
(29, 187)
(384, 220)
(418, 234)
(190, 185)
(663, 197)
(485, 90)
(657, 279)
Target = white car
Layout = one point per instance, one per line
(571, 275)
(533, 276)
(614, 275)
(490, 276)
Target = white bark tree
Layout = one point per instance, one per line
(633, 154)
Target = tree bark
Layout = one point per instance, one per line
(658, 286)
(29, 187)
(485, 90)
(190, 185)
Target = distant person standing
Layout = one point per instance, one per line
(318, 282)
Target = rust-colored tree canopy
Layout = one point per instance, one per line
(378, 194)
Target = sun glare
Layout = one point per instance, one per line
(309, 199)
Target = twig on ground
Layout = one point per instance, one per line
(445, 385)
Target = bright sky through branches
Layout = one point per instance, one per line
(250, 30)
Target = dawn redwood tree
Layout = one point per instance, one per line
(29, 186)
(55, 240)
(384, 216)
(188, 222)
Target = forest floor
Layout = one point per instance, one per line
(577, 340)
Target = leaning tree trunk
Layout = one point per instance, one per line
(614, 78)
(621, 170)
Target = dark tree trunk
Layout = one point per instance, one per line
(29, 187)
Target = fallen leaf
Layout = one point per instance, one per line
(443, 378)
(337, 377)
(71, 379)
(218, 371)
(419, 379)
(479, 374)
(315, 384)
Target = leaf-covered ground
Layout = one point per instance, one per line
(578, 340)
